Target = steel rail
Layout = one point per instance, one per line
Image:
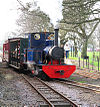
(97, 86)
(80, 86)
(74, 105)
(50, 104)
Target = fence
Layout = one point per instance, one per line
(86, 64)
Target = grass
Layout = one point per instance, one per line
(72, 78)
(91, 71)
(81, 67)
(74, 58)
(82, 81)
(90, 54)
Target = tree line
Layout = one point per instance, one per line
(80, 21)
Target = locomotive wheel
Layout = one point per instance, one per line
(43, 76)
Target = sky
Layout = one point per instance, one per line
(9, 14)
(52, 8)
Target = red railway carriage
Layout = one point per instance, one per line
(6, 51)
(13, 51)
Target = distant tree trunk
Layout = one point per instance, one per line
(84, 49)
(75, 45)
(76, 51)
(99, 48)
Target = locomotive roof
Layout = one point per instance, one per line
(15, 39)
(39, 32)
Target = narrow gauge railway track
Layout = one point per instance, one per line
(91, 87)
(50, 95)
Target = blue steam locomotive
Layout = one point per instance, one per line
(39, 53)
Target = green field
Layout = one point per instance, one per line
(90, 54)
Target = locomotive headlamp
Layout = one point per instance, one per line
(36, 36)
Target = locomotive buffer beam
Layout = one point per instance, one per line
(61, 72)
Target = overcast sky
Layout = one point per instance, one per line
(9, 14)
(52, 7)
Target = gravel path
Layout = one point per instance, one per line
(83, 97)
(15, 92)
(85, 75)
(82, 79)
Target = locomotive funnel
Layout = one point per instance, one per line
(56, 37)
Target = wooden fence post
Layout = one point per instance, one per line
(88, 63)
(83, 62)
(79, 61)
(92, 63)
(98, 62)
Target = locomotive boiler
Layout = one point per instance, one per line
(39, 53)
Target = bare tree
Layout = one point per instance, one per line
(32, 19)
(80, 17)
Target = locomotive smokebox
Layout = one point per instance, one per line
(56, 37)
(56, 52)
